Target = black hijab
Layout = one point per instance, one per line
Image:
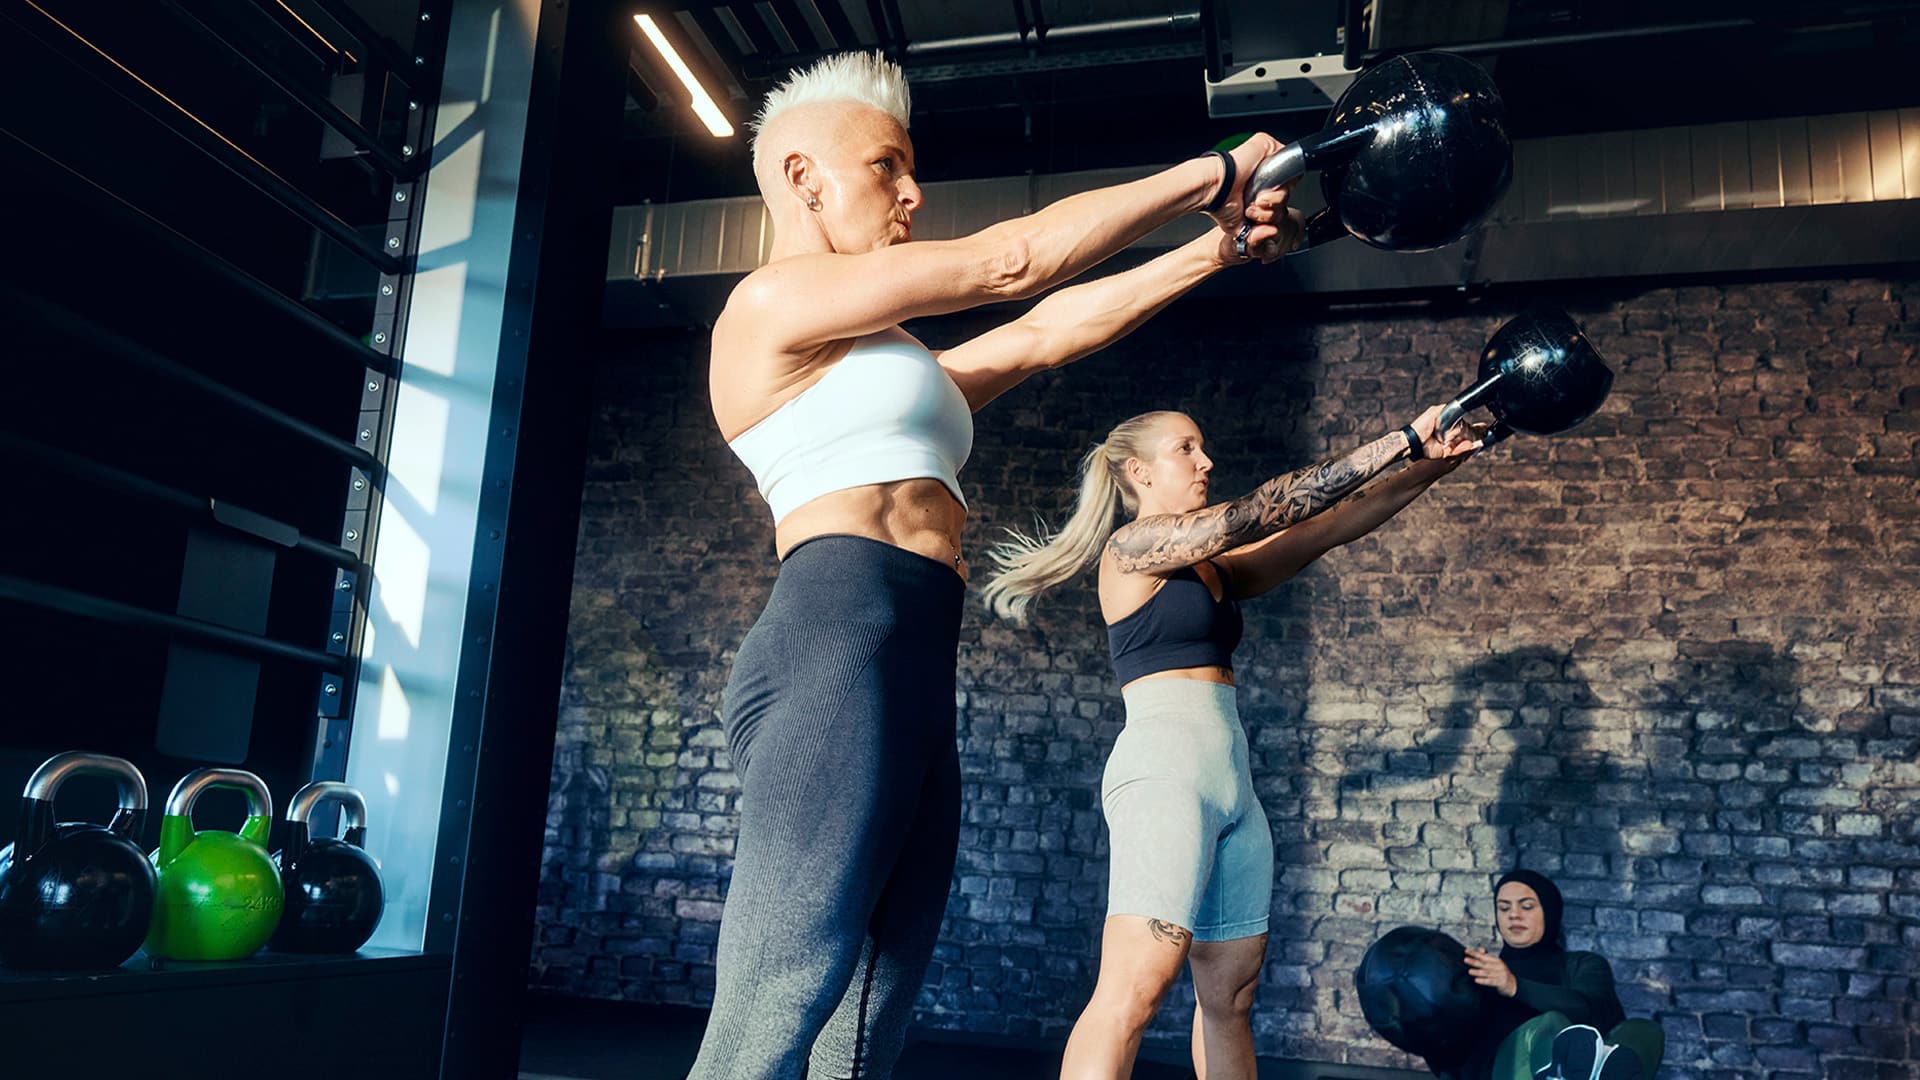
(1544, 961)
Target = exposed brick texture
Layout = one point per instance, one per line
(1668, 659)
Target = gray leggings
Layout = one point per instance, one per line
(840, 720)
(1190, 843)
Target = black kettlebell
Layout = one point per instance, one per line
(1538, 375)
(1413, 156)
(334, 895)
(75, 895)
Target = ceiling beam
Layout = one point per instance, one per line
(707, 18)
(787, 13)
(762, 39)
(882, 29)
(838, 25)
(899, 24)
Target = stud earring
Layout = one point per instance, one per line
(813, 202)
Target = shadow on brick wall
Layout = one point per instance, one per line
(1705, 825)
(1723, 840)
(1453, 783)
(1764, 912)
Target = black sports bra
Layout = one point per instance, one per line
(1182, 626)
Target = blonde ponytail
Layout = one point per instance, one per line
(1030, 566)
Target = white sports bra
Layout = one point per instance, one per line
(887, 411)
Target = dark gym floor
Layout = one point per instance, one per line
(575, 1039)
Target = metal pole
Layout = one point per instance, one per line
(382, 50)
(1477, 48)
(1357, 42)
(120, 216)
(89, 58)
(70, 325)
(1175, 21)
(196, 507)
(101, 609)
(322, 109)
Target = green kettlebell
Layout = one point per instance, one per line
(220, 896)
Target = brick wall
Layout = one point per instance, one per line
(1669, 660)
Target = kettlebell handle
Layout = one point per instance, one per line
(259, 801)
(1292, 162)
(353, 805)
(1288, 163)
(1469, 399)
(53, 772)
(1315, 151)
(36, 806)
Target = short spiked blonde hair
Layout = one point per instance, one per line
(864, 78)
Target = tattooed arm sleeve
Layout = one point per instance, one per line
(1170, 540)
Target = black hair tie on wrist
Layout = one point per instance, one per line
(1219, 200)
(1416, 448)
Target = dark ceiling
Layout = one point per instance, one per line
(1037, 96)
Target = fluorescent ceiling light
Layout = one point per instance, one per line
(703, 105)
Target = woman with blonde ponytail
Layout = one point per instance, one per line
(1190, 873)
(1029, 567)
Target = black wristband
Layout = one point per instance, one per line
(1219, 200)
(1416, 448)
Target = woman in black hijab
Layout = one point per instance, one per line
(1538, 991)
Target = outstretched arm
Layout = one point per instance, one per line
(1164, 541)
(1083, 319)
(796, 304)
(1261, 566)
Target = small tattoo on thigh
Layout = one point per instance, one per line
(1167, 932)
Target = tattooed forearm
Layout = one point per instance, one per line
(1167, 540)
(1167, 932)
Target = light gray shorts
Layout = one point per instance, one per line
(1190, 842)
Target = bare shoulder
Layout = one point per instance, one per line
(748, 333)
(790, 307)
(767, 284)
(749, 376)
(758, 298)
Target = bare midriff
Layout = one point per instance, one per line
(1206, 673)
(919, 515)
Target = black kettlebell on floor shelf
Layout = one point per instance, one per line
(334, 895)
(1539, 375)
(1413, 156)
(76, 895)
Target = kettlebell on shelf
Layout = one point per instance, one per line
(75, 895)
(334, 895)
(220, 896)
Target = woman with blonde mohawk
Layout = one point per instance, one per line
(1190, 865)
(839, 711)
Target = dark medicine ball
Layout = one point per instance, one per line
(1416, 992)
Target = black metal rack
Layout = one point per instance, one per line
(58, 312)
(202, 461)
